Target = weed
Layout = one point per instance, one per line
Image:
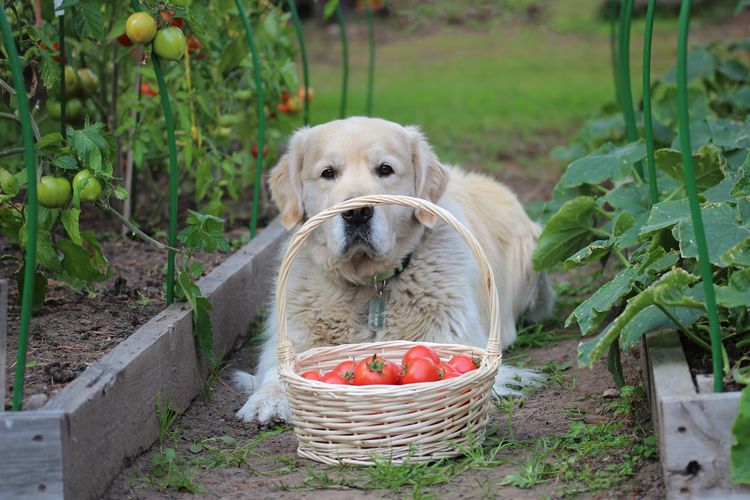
(167, 416)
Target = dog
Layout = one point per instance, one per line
(434, 290)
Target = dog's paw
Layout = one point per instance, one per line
(511, 381)
(267, 405)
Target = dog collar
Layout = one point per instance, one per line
(386, 275)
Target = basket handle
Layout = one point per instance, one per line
(287, 354)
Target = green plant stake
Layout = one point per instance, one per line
(303, 54)
(63, 96)
(695, 211)
(626, 93)
(371, 65)
(613, 46)
(345, 60)
(31, 214)
(261, 117)
(648, 126)
(172, 149)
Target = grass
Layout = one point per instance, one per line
(480, 91)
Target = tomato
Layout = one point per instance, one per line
(168, 16)
(124, 40)
(89, 82)
(53, 108)
(420, 351)
(301, 93)
(334, 378)
(346, 368)
(463, 364)
(313, 375)
(375, 371)
(420, 370)
(283, 108)
(449, 375)
(146, 89)
(140, 27)
(71, 80)
(227, 120)
(285, 95)
(223, 132)
(445, 369)
(193, 44)
(294, 104)
(55, 49)
(244, 94)
(89, 186)
(53, 192)
(170, 43)
(254, 151)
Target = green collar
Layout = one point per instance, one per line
(386, 275)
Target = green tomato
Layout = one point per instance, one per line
(89, 186)
(88, 81)
(244, 94)
(227, 120)
(74, 109)
(53, 192)
(71, 80)
(170, 43)
(140, 27)
(53, 108)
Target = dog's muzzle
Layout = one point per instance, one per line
(357, 227)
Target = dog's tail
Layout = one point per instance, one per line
(511, 381)
(244, 381)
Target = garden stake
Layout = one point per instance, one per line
(63, 101)
(695, 211)
(626, 93)
(613, 46)
(261, 117)
(345, 60)
(648, 127)
(303, 54)
(172, 147)
(371, 65)
(31, 212)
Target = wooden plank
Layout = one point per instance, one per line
(695, 441)
(31, 455)
(110, 409)
(3, 340)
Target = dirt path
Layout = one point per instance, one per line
(565, 438)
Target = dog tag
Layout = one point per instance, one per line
(376, 315)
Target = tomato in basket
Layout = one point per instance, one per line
(313, 375)
(463, 364)
(346, 369)
(375, 371)
(420, 351)
(334, 378)
(445, 369)
(420, 370)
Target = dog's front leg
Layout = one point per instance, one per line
(267, 402)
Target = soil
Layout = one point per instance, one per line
(274, 470)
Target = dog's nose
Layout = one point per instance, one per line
(358, 216)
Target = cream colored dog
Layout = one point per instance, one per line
(438, 296)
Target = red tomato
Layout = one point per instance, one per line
(285, 96)
(420, 370)
(375, 371)
(420, 351)
(254, 150)
(448, 375)
(463, 364)
(312, 375)
(334, 378)
(283, 108)
(346, 369)
(124, 40)
(147, 90)
(168, 15)
(193, 44)
(445, 369)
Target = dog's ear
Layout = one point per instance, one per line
(286, 182)
(430, 177)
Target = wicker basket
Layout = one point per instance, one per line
(415, 422)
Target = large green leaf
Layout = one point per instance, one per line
(204, 232)
(40, 288)
(79, 263)
(597, 249)
(723, 231)
(70, 218)
(652, 318)
(738, 255)
(664, 104)
(700, 64)
(737, 292)
(739, 455)
(607, 162)
(8, 183)
(565, 233)
(666, 214)
(667, 290)
(591, 312)
(724, 133)
(708, 165)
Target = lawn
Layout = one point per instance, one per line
(486, 93)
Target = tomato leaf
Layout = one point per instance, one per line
(51, 139)
(204, 232)
(202, 327)
(70, 218)
(65, 162)
(40, 288)
(8, 183)
(566, 232)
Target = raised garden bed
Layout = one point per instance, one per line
(693, 424)
(83, 436)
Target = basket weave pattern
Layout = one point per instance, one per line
(415, 422)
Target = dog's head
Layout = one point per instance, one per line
(343, 159)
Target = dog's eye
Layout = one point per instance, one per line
(384, 170)
(328, 173)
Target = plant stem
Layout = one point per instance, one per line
(621, 257)
(303, 54)
(648, 128)
(11, 152)
(34, 127)
(344, 60)
(685, 331)
(132, 227)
